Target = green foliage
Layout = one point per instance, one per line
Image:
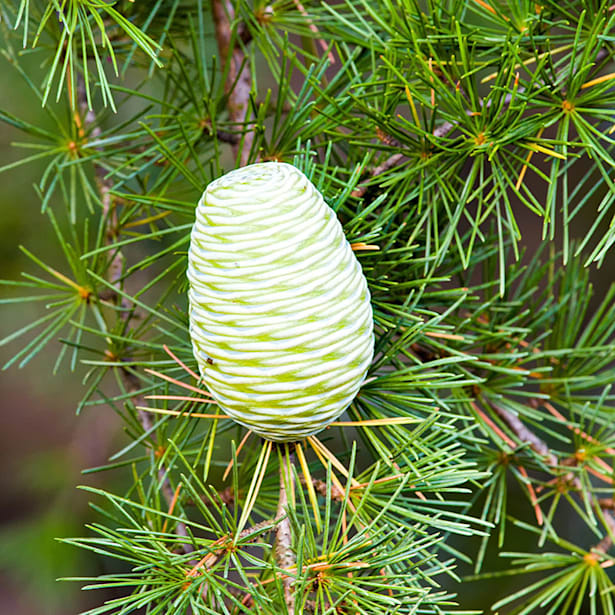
(434, 130)
(73, 28)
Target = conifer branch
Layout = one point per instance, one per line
(396, 159)
(246, 536)
(321, 488)
(441, 131)
(239, 81)
(109, 214)
(285, 556)
(537, 444)
(459, 153)
(525, 435)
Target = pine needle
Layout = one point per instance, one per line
(309, 483)
(396, 420)
(229, 467)
(260, 471)
(195, 415)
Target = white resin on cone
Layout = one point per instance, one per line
(280, 314)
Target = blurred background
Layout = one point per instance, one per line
(44, 446)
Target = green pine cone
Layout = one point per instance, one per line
(280, 314)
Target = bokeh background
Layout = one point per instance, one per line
(44, 446)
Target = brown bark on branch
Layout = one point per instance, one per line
(284, 554)
(525, 435)
(239, 82)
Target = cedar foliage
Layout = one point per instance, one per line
(430, 127)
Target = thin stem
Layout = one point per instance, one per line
(525, 435)
(238, 81)
(284, 554)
